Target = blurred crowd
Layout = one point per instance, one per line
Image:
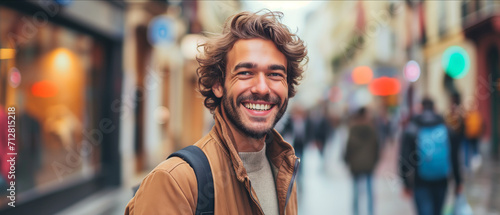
(434, 148)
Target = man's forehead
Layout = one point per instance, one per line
(252, 44)
(251, 52)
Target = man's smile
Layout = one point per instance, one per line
(258, 106)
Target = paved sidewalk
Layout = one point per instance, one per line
(483, 187)
(328, 185)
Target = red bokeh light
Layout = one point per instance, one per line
(44, 89)
(385, 86)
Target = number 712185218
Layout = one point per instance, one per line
(11, 130)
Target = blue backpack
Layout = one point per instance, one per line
(433, 146)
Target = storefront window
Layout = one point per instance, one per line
(52, 75)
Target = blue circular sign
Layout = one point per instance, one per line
(161, 30)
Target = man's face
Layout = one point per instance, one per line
(255, 91)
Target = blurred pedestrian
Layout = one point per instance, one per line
(474, 128)
(384, 129)
(247, 75)
(298, 126)
(320, 128)
(361, 155)
(455, 119)
(429, 156)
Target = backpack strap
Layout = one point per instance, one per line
(197, 159)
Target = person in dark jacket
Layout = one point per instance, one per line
(320, 127)
(429, 195)
(299, 126)
(361, 155)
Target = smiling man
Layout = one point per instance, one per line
(247, 74)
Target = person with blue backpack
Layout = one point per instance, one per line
(429, 158)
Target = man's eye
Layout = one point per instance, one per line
(244, 73)
(276, 75)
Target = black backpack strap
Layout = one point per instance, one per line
(197, 159)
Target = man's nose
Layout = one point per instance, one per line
(261, 85)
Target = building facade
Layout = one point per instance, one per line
(61, 71)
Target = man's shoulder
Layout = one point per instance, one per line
(171, 165)
(176, 164)
(170, 184)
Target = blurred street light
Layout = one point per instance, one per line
(189, 45)
(7, 54)
(412, 71)
(14, 77)
(362, 75)
(456, 62)
(161, 30)
(385, 86)
(62, 59)
(44, 89)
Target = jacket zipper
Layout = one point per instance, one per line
(290, 187)
(252, 197)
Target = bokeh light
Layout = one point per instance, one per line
(44, 89)
(385, 86)
(7, 54)
(456, 62)
(161, 31)
(362, 75)
(412, 71)
(63, 59)
(189, 45)
(14, 77)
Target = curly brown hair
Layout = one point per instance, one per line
(247, 25)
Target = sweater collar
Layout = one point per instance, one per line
(277, 150)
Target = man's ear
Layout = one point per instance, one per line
(218, 90)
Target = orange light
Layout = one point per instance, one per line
(7, 54)
(362, 75)
(62, 60)
(385, 86)
(44, 89)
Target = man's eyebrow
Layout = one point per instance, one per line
(247, 65)
(276, 67)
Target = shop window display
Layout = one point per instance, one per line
(52, 75)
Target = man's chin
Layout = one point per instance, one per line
(256, 134)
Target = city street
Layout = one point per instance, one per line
(328, 186)
(95, 94)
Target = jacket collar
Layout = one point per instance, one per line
(277, 150)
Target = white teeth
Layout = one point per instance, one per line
(260, 107)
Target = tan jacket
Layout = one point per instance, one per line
(171, 187)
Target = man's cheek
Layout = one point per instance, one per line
(232, 82)
(284, 83)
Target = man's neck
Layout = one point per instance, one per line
(243, 143)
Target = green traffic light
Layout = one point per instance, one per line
(456, 62)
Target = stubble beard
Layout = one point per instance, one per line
(231, 111)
